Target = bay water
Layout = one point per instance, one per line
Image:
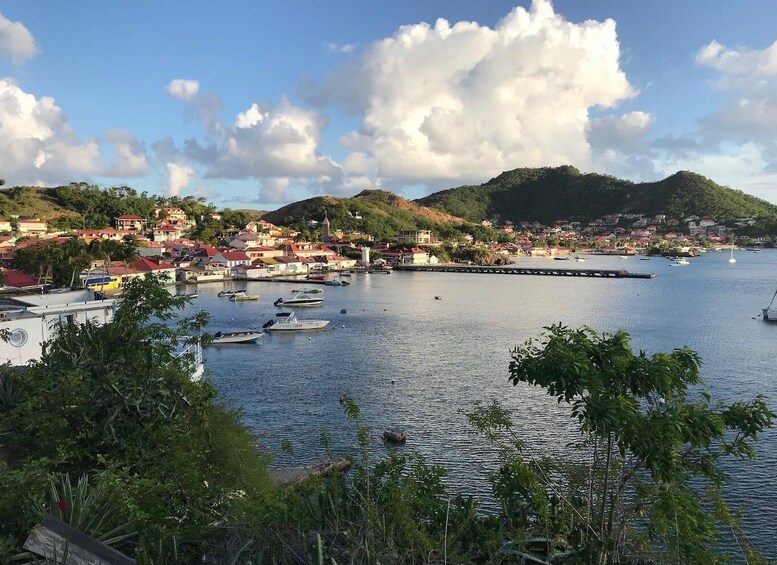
(415, 362)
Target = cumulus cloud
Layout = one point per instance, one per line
(37, 144)
(129, 155)
(267, 141)
(462, 101)
(185, 89)
(16, 41)
(179, 176)
(748, 117)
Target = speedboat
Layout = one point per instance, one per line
(679, 263)
(579, 259)
(288, 322)
(770, 314)
(561, 258)
(308, 290)
(225, 338)
(230, 293)
(300, 299)
(240, 297)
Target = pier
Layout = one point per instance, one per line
(517, 270)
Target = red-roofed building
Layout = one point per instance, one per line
(231, 259)
(131, 222)
(16, 281)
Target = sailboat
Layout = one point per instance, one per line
(732, 260)
(770, 312)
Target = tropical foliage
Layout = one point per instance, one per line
(109, 433)
(549, 194)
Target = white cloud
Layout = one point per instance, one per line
(463, 101)
(751, 62)
(16, 41)
(129, 155)
(37, 145)
(339, 48)
(184, 89)
(275, 190)
(267, 142)
(179, 176)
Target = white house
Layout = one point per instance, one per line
(34, 319)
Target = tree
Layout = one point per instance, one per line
(116, 403)
(651, 487)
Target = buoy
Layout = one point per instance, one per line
(343, 325)
(343, 311)
(310, 338)
(393, 381)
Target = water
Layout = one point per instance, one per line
(445, 355)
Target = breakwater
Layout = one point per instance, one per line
(542, 271)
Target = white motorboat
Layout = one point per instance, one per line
(680, 263)
(225, 338)
(288, 322)
(300, 299)
(732, 259)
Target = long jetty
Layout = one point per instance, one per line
(515, 270)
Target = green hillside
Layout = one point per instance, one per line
(548, 194)
(381, 214)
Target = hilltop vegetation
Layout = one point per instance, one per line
(548, 194)
(376, 212)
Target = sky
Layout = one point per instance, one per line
(255, 104)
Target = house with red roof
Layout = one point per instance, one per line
(230, 259)
(16, 281)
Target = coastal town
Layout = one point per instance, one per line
(261, 250)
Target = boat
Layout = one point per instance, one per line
(316, 277)
(644, 258)
(308, 290)
(345, 274)
(227, 338)
(230, 293)
(561, 258)
(243, 296)
(770, 312)
(300, 299)
(731, 259)
(579, 259)
(395, 436)
(622, 257)
(287, 321)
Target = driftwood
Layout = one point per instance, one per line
(289, 476)
(54, 538)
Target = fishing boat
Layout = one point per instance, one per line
(243, 297)
(288, 322)
(227, 338)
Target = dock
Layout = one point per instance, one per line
(517, 270)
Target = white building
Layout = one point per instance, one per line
(33, 319)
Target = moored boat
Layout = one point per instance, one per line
(301, 299)
(243, 297)
(770, 312)
(287, 321)
(226, 338)
(395, 436)
(230, 293)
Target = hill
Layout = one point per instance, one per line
(547, 194)
(376, 212)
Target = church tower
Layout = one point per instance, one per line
(326, 229)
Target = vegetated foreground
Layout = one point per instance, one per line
(108, 433)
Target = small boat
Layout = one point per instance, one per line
(243, 296)
(287, 321)
(308, 290)
(644, 258)
(334, 283)
(345, 283)
(395, 436)
(622, 257)
(731, 259)
(226, 338)
(770, 312)
(561, 258)
(301, 299)
(230, 293)
(345, 274)
(679, 263)
(316, 277)
(192, 295)
(579, 259)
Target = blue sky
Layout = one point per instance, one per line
(258, 104)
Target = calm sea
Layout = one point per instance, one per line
(417, 363)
